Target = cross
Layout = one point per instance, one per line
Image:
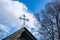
(24, 18)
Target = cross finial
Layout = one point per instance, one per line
(23, 19)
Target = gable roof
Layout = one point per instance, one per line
(19, 33)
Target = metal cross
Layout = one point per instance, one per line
(24, 18)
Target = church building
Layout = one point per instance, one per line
(22, 34)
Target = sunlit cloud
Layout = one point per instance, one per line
(10, 11)
(5, 28)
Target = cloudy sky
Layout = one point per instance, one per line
(10, 11)
(35, 5)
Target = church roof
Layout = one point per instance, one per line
(21, 33)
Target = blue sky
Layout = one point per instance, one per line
(10, 11)
(35, 5)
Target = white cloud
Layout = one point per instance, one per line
(10, 11)
(5, 28)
